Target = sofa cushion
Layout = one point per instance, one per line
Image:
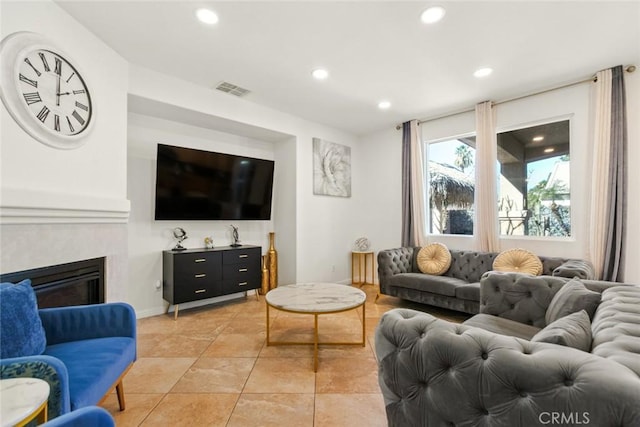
(469, 291)
(579, 268)
(502, 326)
(424, 282)
(572, 297)
(22, 332)
(518, 261)
(94, 365)
(434, 259)
(573, 330)
(616, 326)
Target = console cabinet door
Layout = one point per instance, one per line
(191, 276)
(241, 270)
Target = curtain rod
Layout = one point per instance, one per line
(594, 78)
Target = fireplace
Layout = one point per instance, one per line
(74, 283)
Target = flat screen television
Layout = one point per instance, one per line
(202, 185)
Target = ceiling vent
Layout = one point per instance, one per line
(232, 89)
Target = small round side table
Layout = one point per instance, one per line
(22, 400)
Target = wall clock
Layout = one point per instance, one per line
(44, 90)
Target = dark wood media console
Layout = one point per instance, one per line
(196, 274)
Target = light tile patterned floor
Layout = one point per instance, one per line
(211, 367)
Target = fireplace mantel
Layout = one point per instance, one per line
(21, 206)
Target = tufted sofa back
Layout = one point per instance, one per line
(471, 265)
(525, 298)
(436, 373)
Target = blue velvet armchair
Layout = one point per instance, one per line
(83, 352)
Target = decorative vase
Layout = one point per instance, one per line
(264, 286)
(273, 262)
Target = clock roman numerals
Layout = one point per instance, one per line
(54, 94)
(28, 81)
(58, 70)
(82, 106)
(44, 61)
(42, 115)
(32, 67)
(70, 125)
(32, 97)
(77, 116)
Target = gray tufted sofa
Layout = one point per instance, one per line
(459, 288)
(437, 373)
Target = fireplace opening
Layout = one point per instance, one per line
(74, 283)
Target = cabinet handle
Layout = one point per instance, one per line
(200, 260)
(242, 270)
(243, 256)
(199, 291)
(243, 284)
(200, 275)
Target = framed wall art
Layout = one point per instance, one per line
(331, 168)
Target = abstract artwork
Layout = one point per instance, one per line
(331, 168)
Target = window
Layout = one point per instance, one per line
(451, 175)
(534, 197)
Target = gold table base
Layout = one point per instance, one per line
(316, 342)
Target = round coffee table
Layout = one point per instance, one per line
(315, 299)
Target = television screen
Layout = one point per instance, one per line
(202, 185)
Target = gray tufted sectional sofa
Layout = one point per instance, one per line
(459, 288)
(437, 373)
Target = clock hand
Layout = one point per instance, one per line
(58, 91)
(63, 93)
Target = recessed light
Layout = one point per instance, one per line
(207, 16)
(538, 138)
(432, 15)
(384, 105)
(482, 72)
(320, 74)
(549, 150)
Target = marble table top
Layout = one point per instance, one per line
(315, 297)
(20, 397)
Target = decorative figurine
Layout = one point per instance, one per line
(362, 244)
(236, 237)
(181, 235)
(208, 242)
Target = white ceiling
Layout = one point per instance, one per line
(374, 50)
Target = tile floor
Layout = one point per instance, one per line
(212, 367)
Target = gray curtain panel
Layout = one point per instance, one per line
(614, 257)
(407, 239)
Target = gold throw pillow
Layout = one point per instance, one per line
(518, 261)
(434, 259)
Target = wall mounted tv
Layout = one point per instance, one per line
(203, 185)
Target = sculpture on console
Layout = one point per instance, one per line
(181, 235)
(236, 237)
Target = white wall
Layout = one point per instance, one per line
(36, 175)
